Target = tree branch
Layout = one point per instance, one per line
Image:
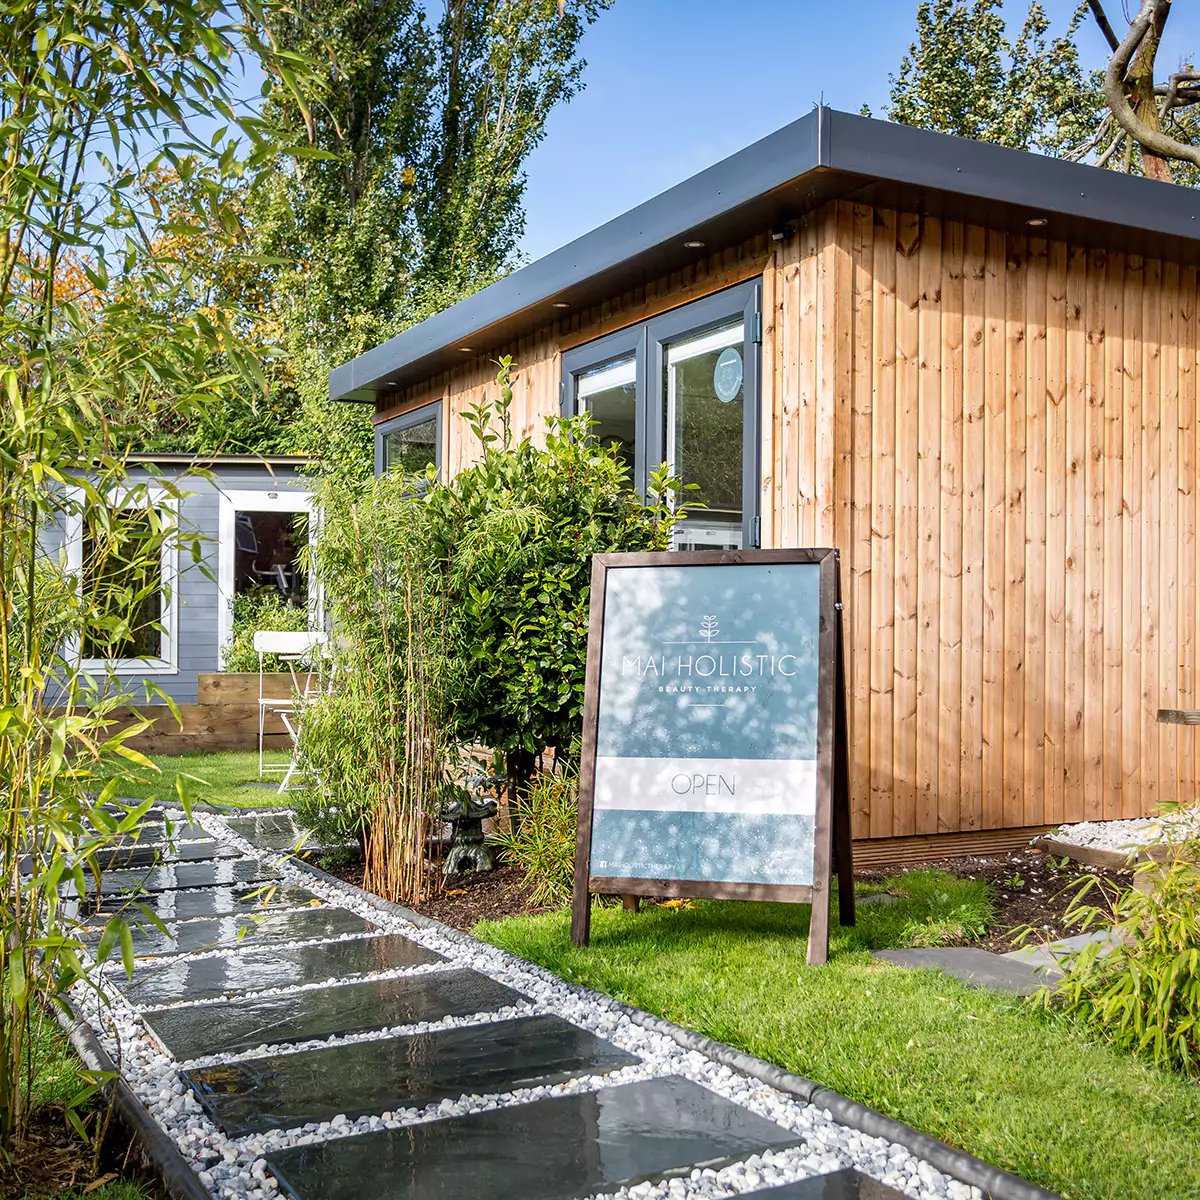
(1102, 20)
(1148, 20)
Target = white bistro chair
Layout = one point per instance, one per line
(297, 649)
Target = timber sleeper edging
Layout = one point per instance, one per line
(997, 1184)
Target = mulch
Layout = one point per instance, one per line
(1030, 890)
(53, 1161)
(462, 901)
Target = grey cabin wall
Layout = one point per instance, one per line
(198, 594)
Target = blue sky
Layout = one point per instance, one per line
(674, 85)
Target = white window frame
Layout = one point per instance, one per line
(253, 500)
(116, 499)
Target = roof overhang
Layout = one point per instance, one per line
(824, 155)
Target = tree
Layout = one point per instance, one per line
(962, 75)
(98, 321)
(423, 126)
(1160, 119)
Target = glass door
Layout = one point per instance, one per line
(705, 421)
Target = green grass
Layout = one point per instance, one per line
(230, 779)
(1030, 1092)
(59, 1080)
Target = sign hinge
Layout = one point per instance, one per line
(758, 328)
(756, 532)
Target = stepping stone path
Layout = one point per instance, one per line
(295, 1038)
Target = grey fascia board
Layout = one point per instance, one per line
(767, 164)
(904, 155)
(842, 142)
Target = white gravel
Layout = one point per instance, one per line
(1133, 834)
(235, 1167)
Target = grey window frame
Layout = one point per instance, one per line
(647, 342)
(415, 416)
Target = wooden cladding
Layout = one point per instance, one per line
(999, 432)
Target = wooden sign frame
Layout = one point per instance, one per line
(831, 833)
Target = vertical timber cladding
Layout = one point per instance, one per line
(1012, 482)
(999, 432)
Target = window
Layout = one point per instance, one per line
(125, 558)
(261, 537)
(410, 443)
(682, 389)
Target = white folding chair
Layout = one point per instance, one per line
(295, 648)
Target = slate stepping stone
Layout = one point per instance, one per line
(277, 831)
(114, 857)
(213, 933)
(184, 875)
(206, 902)
(238, 1025)
(971, 965)
(289, 1090)
(563, 1148)
(841, 1185)
(277, 966)
(152, 832)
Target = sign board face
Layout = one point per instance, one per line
(707, 723)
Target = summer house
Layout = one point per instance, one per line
(969, 369)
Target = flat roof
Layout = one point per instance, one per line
(825, 155)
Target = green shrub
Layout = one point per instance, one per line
(376, 743)
(515, 534)
(1142, 990)
(262, 608)
(541, 841)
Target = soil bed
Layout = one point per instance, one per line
(1029, 889)
(462, 901)
(53, 1161)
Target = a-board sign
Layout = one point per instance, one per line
(714, 750)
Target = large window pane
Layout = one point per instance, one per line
(123, 578)
(608, 394)
(412, 448)
(267, 548)
(705, 415)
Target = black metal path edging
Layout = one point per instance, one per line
(158, 1151)
(995, 1183)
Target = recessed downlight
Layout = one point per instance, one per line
(694, 244)
(1037, 222)
(464, 349)
(560, 304)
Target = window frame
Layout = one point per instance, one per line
(647, 341)
(430, 410)
(167, 662)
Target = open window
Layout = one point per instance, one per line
(683, 388)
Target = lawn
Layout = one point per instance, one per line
(229, 779)
(1029, 1092)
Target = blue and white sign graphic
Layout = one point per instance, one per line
(706, 744)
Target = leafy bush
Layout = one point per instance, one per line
(262, 608)
(541, 841)
(516, 533)
(1142, 989)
